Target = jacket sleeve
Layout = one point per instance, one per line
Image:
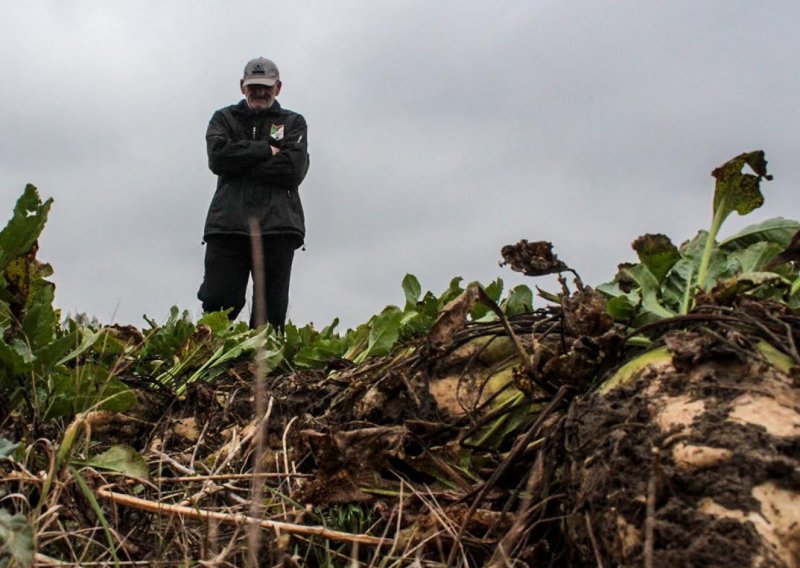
(289, 166)
(227, 156)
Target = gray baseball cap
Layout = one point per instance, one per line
(260, 71)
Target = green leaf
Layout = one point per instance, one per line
(7, 447)
(494, 291)
(429, 306)
(383, 334)
(16, 538)
(15, 360)
(414, 324)
(621, 308)
(165, 341)
(645, 279)
(777, 230)
(109, 345)
(217, 321)
(329, 330)
(795, 287)
(235, 346)
(67, 348)
(519, 301)
(319, 354)
(412, 290)
(122, 459)
(39, 321)
(27, 222)
(357, 340)
(86, 387)
(657, 253)
(752, 258)
(549, 296)
(679, 285)
(651, 307)
(453, 291)
(681, 281)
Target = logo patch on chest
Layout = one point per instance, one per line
(276, 132)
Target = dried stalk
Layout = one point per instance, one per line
(520, 445)
(237, 519)
(225, 477)
(256, 488)
(650, 521)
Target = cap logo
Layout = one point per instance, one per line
(258, 69)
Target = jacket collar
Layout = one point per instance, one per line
(242, 107)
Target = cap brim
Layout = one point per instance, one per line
(259, 81)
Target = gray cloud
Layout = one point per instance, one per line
(439, 132)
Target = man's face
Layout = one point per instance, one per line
(260, 97)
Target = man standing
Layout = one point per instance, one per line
(259, 151)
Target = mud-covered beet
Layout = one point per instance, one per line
(709, 442)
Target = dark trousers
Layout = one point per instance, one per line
(228, 265)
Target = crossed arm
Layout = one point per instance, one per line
(282, 163)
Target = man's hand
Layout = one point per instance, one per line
(274, 150)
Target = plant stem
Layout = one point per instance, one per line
(719, 217)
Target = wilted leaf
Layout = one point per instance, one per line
(623, 279)
(122, 459)
(585, 313)
(453, 317)
(726, 290)
(738, 191)
(532, 259)
(657, 253)
(187, 429)
(734, 191)
(356, 449)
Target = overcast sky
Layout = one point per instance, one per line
(438, 132)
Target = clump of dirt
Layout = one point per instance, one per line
(691, 464)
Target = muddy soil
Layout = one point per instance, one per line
(694, 463)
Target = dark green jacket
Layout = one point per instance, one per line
(252, 182)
